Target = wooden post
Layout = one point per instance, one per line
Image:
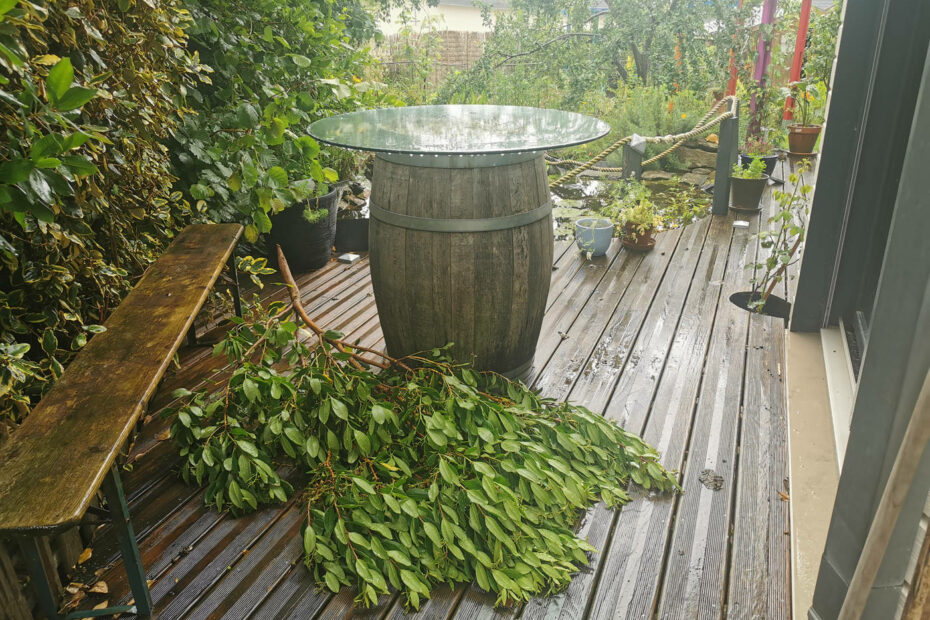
(899, 483)
(633, 153)
(727, 148)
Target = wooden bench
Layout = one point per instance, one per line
(52, 466)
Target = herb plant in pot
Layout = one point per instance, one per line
(780, 245)
(640, 223)
(808, 100)
(747, 185)
(759, 148)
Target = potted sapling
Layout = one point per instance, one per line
(780, 245)
(593, 235)
(747, 185)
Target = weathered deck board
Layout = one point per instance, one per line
(632, 574)
(648, 339)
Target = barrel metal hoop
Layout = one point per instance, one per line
(487, 224)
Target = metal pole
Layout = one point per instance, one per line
(116, 501)
(727, 148)
(45, 594)
(633, 153)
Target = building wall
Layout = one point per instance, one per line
(444, 17)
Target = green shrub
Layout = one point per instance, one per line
(277, 66)
(89, 89)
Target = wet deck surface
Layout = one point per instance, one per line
(649, 340)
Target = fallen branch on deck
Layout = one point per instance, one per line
(425, 472)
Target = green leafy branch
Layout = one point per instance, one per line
(424, 472)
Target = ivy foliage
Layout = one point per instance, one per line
(427, 472)
(88, 91)
(277, 66)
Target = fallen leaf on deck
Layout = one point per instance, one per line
(85, 555)
(164, 435)
(99, 588)
(73, 587)
(784, 496)
(102, 605)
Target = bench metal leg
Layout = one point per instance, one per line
(116, 500)
(39, 577)
(234, 276)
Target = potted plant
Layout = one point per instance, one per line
(593, 235)
(639, 224)
(780, 243)
(808, 105)
(747, 185)
(758, 148)
(306, 229)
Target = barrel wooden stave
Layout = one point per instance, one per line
(485, 291)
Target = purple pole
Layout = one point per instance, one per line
(762, 62)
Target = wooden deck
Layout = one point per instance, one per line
(649, 340)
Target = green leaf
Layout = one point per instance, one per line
(379, 413)
(74, 98)
(410, 507)
(248, 447)
(59, 79)
(15, 170)
(331, 582)
(447, 472)
(49, 342)
(250, 389)
(339, 408)
(276, 176)
(363, 485)
(413, 582)
(362, 441)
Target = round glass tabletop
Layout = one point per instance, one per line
(458, 130)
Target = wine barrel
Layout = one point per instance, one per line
(462, 255)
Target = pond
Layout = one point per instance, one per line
(678, 203)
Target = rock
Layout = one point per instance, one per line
(657, 175)
(697, 158)
(703, 171)
(712, 138)
(694, 178)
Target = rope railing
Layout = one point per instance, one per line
(704, 125)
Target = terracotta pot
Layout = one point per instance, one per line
(633, 240)
(802, 138)
(746, 194)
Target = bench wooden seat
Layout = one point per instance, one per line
(53, 465)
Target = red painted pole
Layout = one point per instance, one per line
(799, 45)
(731, 85)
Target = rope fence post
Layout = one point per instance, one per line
(727, 148)
(633, 153)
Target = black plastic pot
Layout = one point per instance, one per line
(774, 306)
(768, 160)
(306, 246)
(746, 194)
(352, 235)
